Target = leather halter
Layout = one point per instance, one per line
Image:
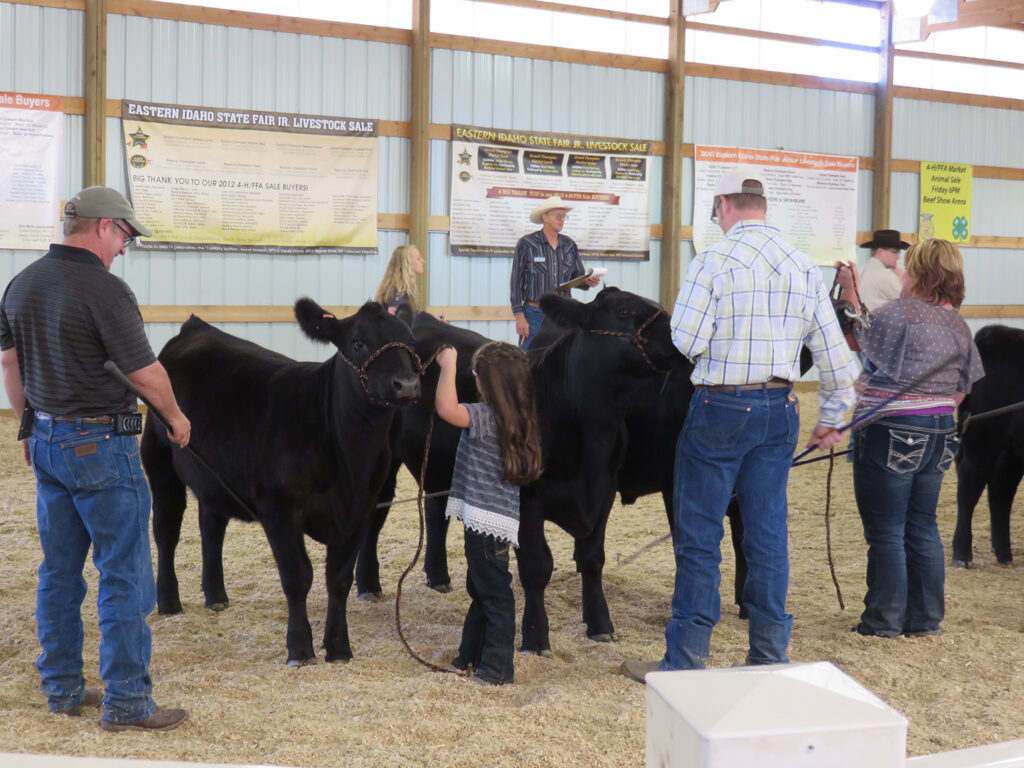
(637, 339)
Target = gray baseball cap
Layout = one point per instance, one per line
(104, 203)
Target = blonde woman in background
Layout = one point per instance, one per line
(399, 282)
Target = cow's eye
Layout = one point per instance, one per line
(359, 346)
(624, 313)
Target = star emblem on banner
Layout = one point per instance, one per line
(139, 138)
(464, 157)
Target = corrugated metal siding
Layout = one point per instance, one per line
(976, 135)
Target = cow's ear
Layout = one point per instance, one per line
(405, 313)
(315, 321)
(566, 312)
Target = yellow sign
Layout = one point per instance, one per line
(945, 201)
(251, 181)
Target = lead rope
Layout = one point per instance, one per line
(828, 528)
(419, 546)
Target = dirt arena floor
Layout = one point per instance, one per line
(384, 709)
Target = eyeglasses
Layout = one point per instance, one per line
(714, 208)
(559, 216)
(129, 238)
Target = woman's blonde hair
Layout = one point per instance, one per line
(399, 280)
(506, 385)
(936, 271)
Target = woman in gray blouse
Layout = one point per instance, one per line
(924, 362)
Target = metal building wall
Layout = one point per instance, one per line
(975, 136)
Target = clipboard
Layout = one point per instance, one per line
(576, 282)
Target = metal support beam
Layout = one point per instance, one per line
(883, 125)
(94, 155)
(419, 154)
(672, 173)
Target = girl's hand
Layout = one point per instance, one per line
(846, 274)
(447, 357)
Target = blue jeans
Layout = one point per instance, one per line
(489, 631)
(91, 491)
(897, 476)
(742, 440)
(535, 318)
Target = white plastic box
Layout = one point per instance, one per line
(780, 716)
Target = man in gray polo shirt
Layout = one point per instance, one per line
(61, 318)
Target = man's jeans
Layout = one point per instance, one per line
(91, 491)
(742, 439)
(535, 318)
(897, 476)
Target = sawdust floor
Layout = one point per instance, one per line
(246, 706)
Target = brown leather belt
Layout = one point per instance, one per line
(773, 383)
(532, 303)
(43, 416)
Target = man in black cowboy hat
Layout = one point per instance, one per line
(880, 279)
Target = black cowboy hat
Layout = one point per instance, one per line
(886, 238)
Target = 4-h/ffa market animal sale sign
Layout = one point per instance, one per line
(499, 176)
(248, 180)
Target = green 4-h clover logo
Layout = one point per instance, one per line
(960, 228)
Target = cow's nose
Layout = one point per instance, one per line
(407, 386)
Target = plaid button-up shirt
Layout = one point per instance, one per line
(747, 306)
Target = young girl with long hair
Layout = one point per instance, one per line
(498, 452)
(398, 283)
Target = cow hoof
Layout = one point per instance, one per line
(744, 614)
(371, 597)
(218, 607)
(339, 660)
(1005, 563)
(444, 589)
(170, 611)
(604, 637)
(301, 662)
(960, 563)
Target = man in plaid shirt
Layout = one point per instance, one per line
(747, 307)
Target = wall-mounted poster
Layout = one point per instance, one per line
(812, 198)
(498, 176)
(31, 142)
(945, 201)
(247, 180)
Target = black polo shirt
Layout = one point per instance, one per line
(67, 315)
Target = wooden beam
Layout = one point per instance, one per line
(720, 29)
(579, 10)
(94, 155)
(978, 13)
(419, 153)
(883, 125)
(959, 59)
(672, 173)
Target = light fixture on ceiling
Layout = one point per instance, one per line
(913, 7)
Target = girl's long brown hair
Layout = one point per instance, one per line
(506, 385)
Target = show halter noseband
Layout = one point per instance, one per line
(637, 339)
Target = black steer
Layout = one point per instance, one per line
(304, 445)
(991, 450)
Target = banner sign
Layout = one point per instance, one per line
(247, 180)
(499, 176)
(31, 144)
(945, 201)
(812, 198)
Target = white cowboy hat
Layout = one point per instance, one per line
(548, 205)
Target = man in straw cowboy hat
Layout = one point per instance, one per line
(544, 260)
(880, 279)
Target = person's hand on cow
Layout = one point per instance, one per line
(447, 357)
(825, 438)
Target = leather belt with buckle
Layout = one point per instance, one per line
(773, 383)
(44, 416)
